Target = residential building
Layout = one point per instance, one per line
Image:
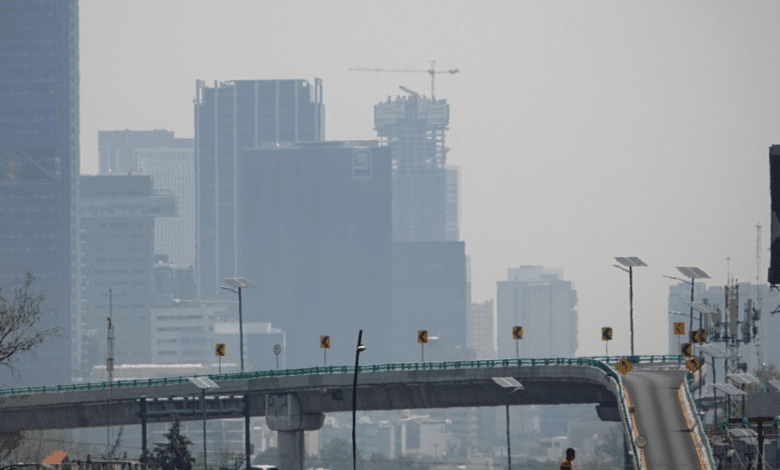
(117, 229)
(314, 233)
(230, 117)
(539, 300)
(39, 172)
(482, 328)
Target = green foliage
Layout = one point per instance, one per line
(173, 454)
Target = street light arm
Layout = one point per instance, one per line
(620, 267)
(676, 278)
(228, 288)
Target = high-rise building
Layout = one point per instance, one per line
(430, 293)
(117, 232)
(170, 161)
(481, 331)
(230, 117)
(425, 188)
(314, 233)
(539, 300)
(39, 171)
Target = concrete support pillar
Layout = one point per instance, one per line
(284, 415)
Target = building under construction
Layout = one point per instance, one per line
(425, 188)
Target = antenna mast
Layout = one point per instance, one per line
(759, 304)
(110, 370)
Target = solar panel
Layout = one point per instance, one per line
(203, 382)
(623, 261)
(636, 261)
(701, 308)
(507, 382)
(743, 378)
(685, 271)
(728, 389)
(712, 350)
(239, 282)
(699, 273)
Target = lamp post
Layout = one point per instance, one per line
(507, 383)
(204, 383)
(692, 273)
(239, 283)
(360, 348)
(631, 262)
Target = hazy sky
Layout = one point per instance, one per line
(583, 130)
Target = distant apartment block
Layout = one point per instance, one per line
(482, 329)
(117, 230)
(314, 234)
(230, 117)
(170, 161)
(182, 333)
(425, 188)
(39, 172)
(539, 300)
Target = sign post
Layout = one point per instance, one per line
(325, 345)
(606, 335)
(422, 338)
(219, 351)
(517, 335)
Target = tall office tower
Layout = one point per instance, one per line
(430, 293)
(170, 161)
(39, 170)
(314, 233)
(540, 301)
(482, 329)
(230, 117)
(425, 188)
(117, 233)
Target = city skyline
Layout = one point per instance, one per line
(582, 132)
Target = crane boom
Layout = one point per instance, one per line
(431, 71)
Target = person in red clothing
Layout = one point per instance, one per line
(566, 463)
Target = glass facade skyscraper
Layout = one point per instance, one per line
(39, 170)
(230, 117)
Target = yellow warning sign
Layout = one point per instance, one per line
(693, 364)
(517, 332)
(679, 328)
(624, 366)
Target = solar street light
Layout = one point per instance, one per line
(204, 383)
(506, 383)
(693, 273)
(239, 283)
(631, 262)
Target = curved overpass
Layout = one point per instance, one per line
(295, 400)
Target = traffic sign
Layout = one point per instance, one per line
(624, 366)
(685, 349)
(277, 349)
(219, 350)
(517, 332)
(679, 328)
(641, 441)
(422, 336)
(606, 333)
(324, 342)
(693, 364)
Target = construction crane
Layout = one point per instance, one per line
(431, 71)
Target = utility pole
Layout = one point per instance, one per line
(759, 303)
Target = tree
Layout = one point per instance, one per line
(174, 454)
(19, 318)
(768, 371)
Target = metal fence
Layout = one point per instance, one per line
(448, 365)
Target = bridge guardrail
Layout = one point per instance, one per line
(447, 365)
(699, 425)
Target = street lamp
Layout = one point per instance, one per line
(360, 348)
(239, 283)
(631, 262)
(507, 383)
(692, 273)
(204, 383)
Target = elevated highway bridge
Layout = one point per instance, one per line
(653, 400)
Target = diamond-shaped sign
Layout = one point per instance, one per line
(624, 366)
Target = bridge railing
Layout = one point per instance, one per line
(697, 412)
(404, 366)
